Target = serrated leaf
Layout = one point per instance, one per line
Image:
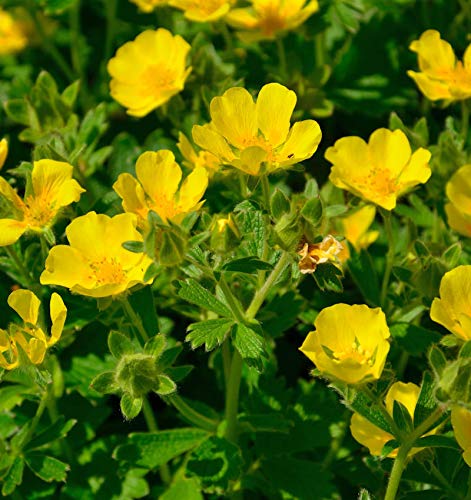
(59, 429)
(166, 385)
(13, 477)
(150, 450)
(130, 407)
(46, 467)
(194, 293)
(251, 346)
(211, 333)
(328, 277)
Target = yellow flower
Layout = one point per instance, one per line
(96, 264)
(355, 229)
(461, 422)
(148, 71)
(349, 344)
(52, 189)
(441, 76)
(265, 19)
(156, 188)
(246, 135)
(458, 211)
(202, 159)
(3, 152)
(30, 337)
(375, 438)
(149, 5)
(12, 36)
(203, 10)
(453, 308)
(381, 170)
(312, 254)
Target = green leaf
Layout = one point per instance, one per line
(251, 346)
(57, 6)
(312, 211)
(168, 357)
(191, 291)
(156, 345)
(437, 360)
(70, 93)
(215, 462)
(119, 345)
(13, 477)
(267, 422)
(465, 351)
(211, 333)
(18, 110)
(47, 468)
(328, 277)
(364, 495)
(426, 402)
(279, 204)
(59, 429)
(402, 417)
(363, 273)
(247, 265)
(252, 224)
(105, 383)
(389, 447)
(166, 385)
(414, 339)
(134, 246)
(178, 373)
(150, 450)
(437, 441)
(130, 407)
(183, 489)
(142, 301)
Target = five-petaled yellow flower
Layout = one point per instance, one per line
(203, 10)
(461, 422)
(52, 188)
(441, 76)
(192, 159)
(381, 170)
(453, 308)
(265, 19)
(256, 137)
(355, 229)
(96, 264)
(458, 211)
(375, 438)
(349, 344)
(30, 337)
(3, 152)
(149, 5)
(148, 71)
(12, 35)
(156, 188)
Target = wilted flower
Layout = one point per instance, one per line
(312, 254)
(453, 308)
(381, 170)
(96, 264)
(375, 438)
(349, 343)
(148, 71)
(247, 135)
(193, 159)
(156, 188)
(149, 5)
(458, 211)
(12, 36)
(355, 229)
(461, 422)
(441, 76)
(203, 10)
(265, 19)
(52, 188)
(30, 337)
(3, 152)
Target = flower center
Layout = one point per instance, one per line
(38, 212)
(108, 271)
(155, 79)
(271, 19)
(354, 353)
(164, 207)
(379, 181)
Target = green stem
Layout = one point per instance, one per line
(464, 120)
(319, 50)
(261, 294)
(110, 9)
(243, 185)
(191, 414)
(265, 191)
(400, 461)
(232, 396)
(232, 302)
(21, 268)
(281, 56)
(134, 319)
(226, 360)
(34, 423)
(151, 422)
(44, 247)
(389, 257)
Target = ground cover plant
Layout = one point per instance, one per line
(234, 249)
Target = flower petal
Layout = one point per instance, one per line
(58, 313)
(10, 231)
(26, 304)
(132, 194)
(302, 142)
(192, 189)
(389, 150)
(65, 266)
(210, 140)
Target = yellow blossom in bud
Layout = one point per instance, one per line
(312, 254)
(148, 71)
(458, 211)
(378, 171)
(349, 344)
(375, 438)
(149, 5)
(461, 422)
(266, 19)
(156, 188)
(203, 10)
(441, 76)
(3, 152)
(52, 188)
(95, 263)
(193, 159)
(453, 308)
(30, 337)
(12, 36)
(256, 137)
